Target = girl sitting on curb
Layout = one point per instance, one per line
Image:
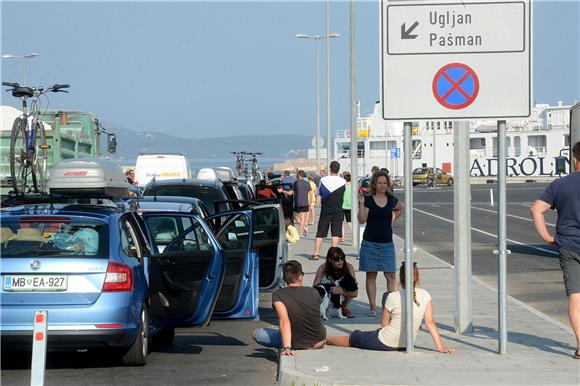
(392, 334)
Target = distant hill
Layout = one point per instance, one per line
(130, 143)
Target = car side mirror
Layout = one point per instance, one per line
(111, 143)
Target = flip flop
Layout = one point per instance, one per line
(576, 355)
(314, 257)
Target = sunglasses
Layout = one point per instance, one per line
(337, 259)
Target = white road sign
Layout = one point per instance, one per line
(455, 59)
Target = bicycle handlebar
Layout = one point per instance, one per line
(54, 88)
(59, 86)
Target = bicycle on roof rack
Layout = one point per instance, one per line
(28, 146)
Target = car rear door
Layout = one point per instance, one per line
(239, 294)
(270, 242)
(186, 269)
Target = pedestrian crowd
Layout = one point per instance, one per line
(301, 309)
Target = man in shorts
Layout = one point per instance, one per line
(563, 195)
(331, 192)
(298, 310)
(300, 191)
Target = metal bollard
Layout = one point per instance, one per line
(38, 348)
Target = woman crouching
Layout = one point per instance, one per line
(336, 277)
(392, 334)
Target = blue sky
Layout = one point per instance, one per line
(207, 69)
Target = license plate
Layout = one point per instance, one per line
(30, 283)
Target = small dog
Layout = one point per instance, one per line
(330, 301)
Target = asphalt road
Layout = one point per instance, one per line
(534, 275)
(221, 354)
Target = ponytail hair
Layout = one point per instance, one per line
(415, 279)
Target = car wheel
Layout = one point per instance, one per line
(137, 353)
(450, 182)
(164, 337)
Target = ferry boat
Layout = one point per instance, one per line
(532, 143)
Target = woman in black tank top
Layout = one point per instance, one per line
(377, 253)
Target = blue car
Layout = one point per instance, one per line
(112, 278)
(113, 275)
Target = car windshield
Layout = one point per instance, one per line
(421, 171)
(61, 237)
(208, 195)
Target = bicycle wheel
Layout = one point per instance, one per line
(20, 167)
(40, 160)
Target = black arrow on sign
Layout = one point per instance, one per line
(406, 33)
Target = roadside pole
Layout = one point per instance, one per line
(408, 235)
(462, 229)
(501, 235)
(38, 348)
(353, 133)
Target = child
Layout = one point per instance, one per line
(292, 235)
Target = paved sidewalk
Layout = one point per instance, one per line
(539, 348)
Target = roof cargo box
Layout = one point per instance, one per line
(225, 173)
(85, 177)
(207, 174)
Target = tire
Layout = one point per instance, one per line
(136, 355)
(397, 183)
(20, 168)
(450, 182)
(164, 337)
(40, 160)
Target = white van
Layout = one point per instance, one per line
(161, 167)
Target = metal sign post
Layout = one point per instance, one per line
(353, 133)
(408, 150)
(462, 229)
(38, 348)
(501, 235)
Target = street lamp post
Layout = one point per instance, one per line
(25, 59)
(329, 143)
(317, 38)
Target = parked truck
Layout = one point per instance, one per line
(70, 134)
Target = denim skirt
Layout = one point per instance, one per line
(377, 257)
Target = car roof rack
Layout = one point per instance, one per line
(51, 199)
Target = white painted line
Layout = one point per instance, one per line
(488, 234)
(528, 204)
(510, 215)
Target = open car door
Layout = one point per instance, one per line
(186, 269)
(239, 294)
(270, 242)
(269, 239)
